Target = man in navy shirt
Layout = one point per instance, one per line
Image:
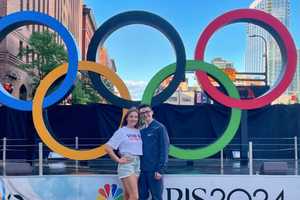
(155, 155)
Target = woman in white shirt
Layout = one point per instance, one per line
(127, 140)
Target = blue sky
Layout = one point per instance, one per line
(140, 51)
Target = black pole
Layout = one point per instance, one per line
(244, 138)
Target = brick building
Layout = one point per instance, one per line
(68, 12)
(88, 29)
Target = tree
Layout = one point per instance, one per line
(45, 54)
(84, 93)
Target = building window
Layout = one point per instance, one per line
(48, 12)
(32, 56)
(20, 48)
(27, 55)
(48, 6)
(39, 10)
(55, 8)
(58, 11)
(44, 6)
(27, 8)
(33, 9)
(21, 5)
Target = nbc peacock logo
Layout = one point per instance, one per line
(110, 192)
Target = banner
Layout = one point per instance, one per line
(177, 187)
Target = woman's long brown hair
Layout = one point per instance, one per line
(131, 110)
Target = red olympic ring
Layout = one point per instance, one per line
(280, 34)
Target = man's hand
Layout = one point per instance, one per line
(157, 176)
(123, 160)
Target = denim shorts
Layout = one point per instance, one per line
(133, 167)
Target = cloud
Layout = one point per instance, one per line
(136, 88)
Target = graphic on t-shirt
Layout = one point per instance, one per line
(134, 137)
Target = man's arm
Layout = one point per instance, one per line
(164, 143)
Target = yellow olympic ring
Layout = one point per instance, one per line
(37, 110)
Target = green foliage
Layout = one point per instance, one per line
(83, 93)
(45, 54)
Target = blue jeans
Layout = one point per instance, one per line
(147, 183)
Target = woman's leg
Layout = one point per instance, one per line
(131, 185)
(125, 188)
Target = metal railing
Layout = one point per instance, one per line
(219, 164)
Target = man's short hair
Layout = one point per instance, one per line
(144, 106)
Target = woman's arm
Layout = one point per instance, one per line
(114, 156)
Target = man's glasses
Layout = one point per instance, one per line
(145, 112)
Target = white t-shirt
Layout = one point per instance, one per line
(127, 140)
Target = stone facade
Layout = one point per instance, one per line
(68, 12)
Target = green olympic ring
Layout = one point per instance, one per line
(235, 116)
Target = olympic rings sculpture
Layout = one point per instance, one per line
(177, 69)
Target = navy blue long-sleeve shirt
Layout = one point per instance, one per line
(155, 147)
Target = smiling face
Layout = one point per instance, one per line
(132, 119)
(147, 114)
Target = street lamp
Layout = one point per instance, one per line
(266, 55)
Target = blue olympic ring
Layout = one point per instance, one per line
(18, 19)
